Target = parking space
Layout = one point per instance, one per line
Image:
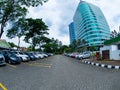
(38, 64)
(12, 74)
(12, 66)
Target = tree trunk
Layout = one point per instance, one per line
(33, 48)
(18, 43)
(2, 30)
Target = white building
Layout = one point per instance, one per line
(111, 49)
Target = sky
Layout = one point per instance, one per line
(58, 14)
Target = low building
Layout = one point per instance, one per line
(4, 44)
(111, 49)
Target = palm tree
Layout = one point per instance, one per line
(84, 42)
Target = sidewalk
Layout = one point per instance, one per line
(103, 63)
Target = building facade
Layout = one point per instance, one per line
(90, 25)
(71, 32)
(111, 49)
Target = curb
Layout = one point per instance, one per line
(101, 65)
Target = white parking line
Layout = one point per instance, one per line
(11, 66)
(39, 64)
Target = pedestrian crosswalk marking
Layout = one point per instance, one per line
(3, 87)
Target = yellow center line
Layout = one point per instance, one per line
(3, 87)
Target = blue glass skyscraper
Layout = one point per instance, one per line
(72, 32)
(90, 24)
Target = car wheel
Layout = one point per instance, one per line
(81, 58)
(9, 62)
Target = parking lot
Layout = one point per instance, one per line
(16, 77)
(58, 73)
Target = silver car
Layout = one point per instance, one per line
(2, 60)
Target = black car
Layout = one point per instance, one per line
(10, 57)
(2, 60)
(31, 56)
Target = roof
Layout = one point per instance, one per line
(115, 40)
(4, 44)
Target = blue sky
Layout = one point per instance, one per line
(58, 14)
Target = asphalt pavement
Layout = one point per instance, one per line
(58, 73)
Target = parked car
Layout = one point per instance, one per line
(79, 56)
(36, 56)
(10, 57)
(2, 60)
(44, 54)
(86, 54)
(21, 55)
(31, 56)
(73, 55)
(39, 55)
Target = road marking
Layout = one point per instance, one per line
(11, 66)
(3, 87)
(40, 65)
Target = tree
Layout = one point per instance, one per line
(63, 49)
(92, 48)
(12, 44)
(12, 10)
(36, 29)
(84, 47)
(115, 33)
(52, 46)
(17, 30)
(42, 41)
(75, 43)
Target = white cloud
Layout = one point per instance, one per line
(58, 14)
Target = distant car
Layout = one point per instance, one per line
(32, 57)
(39, 55)
(10, 57)
(44, 54)
(36, 56)
(79, 56)
(50, 54)
(86, 54)
(73, 55)
(2, 60)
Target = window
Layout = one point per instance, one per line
(118, 46)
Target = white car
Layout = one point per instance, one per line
(22, 55)
(40, 55)
(86, 54)
(45, 55)
(79, 56)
